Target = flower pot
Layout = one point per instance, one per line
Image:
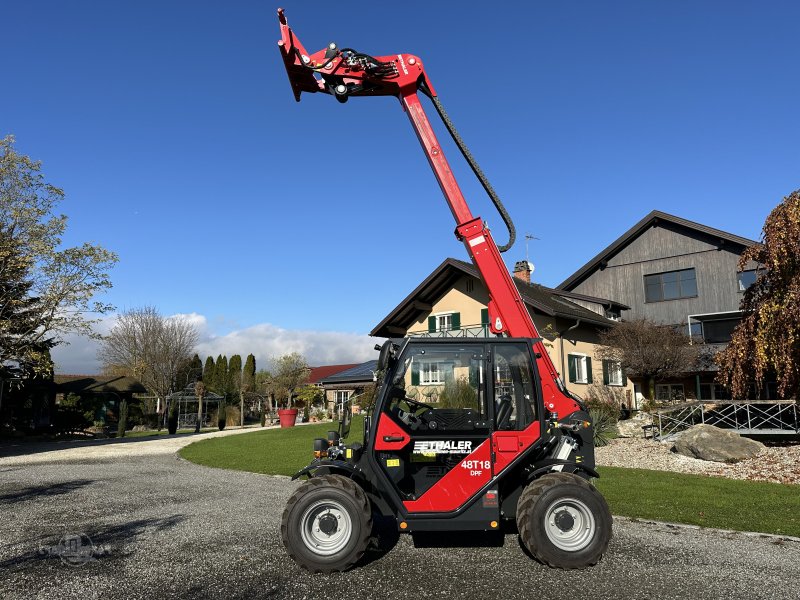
(288, 417)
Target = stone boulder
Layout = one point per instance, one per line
(707, 442)
(632, 428)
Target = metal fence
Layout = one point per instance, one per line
(747, 417)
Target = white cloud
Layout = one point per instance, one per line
(267, 341)
(264, 340)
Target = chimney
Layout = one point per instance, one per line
(522, 271)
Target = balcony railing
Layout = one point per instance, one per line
(468, 331)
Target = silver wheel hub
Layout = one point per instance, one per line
(569, 524)
(325, 527)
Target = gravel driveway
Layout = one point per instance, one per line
(166, 528)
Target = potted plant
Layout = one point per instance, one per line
(291, 371)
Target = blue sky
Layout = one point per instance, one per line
(173, 131)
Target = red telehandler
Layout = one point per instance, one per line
(501, 439)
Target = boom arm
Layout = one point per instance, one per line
(344, 73)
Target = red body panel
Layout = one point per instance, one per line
(457, 486)
(387, 428)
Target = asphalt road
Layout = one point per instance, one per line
(164, 528)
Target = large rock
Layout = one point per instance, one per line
(707, 442)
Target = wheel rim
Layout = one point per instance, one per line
(569, 524)
(326, 527)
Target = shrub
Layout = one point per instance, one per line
(221, 417)
(232, 415)
(604, 425)
(458, 393)
(172, 421)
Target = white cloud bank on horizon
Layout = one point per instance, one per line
(264, 340)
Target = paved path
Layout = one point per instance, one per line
(26, 453)
(166, 528)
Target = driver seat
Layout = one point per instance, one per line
(503, 409)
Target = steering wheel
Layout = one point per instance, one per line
(416, 405)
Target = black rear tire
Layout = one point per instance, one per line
(327, 524)
(563, 521)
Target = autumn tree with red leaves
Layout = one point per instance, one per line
(767, 340)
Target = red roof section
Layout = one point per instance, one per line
(319, 373)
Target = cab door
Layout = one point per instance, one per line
(515, 396)
(433, 434)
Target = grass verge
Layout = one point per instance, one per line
(657, 495)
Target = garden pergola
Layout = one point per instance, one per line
(187, 406)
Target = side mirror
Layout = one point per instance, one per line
(388, 355)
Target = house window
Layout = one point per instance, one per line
(612, 373)
(713, 391)
(470, 285)
(580, 368)
(670, 285)
(431, 373)
(746, 279)
(670, 392)
(342, 396)
(444, 322)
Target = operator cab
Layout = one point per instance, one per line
(442, 399)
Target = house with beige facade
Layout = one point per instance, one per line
(452, 302)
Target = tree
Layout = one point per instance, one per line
(46, 290)
(200, 392)
(19, 314)
(767, 339)
(248, 381)
(291, 370)
(221, 376)
(149, 347)
(208, 372)
(235, 382)
(648, 350)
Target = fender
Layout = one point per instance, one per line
(324, 466)
(553, 463)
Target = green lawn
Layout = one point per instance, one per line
(700, 500)
(271, 451)
(657, 495)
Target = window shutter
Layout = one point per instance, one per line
(484, 316)
(415, 374)
(588, 370)
(571, 361)
(455, 321)
(624, 375)
(606, 376)
(431, 324)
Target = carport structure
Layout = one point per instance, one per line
(187, 406)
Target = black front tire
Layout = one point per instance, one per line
(563, 521)
(327, 524)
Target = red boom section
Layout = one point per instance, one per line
(402, 75)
